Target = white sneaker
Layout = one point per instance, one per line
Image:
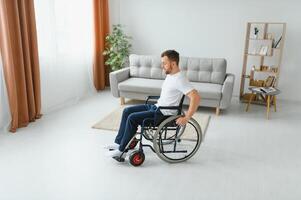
(115, 153)
(111, 147)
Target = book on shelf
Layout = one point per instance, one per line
(256, 89)
(265, 90)
(268, 89)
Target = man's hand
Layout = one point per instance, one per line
(193, 106)
(182, 121)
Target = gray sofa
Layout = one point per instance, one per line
(144, 77)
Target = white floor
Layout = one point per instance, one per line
(244, 156)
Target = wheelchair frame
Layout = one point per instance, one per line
(165, 123)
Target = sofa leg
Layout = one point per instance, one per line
(217, 111)
(122, 101)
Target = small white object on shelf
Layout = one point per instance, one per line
(263, 50)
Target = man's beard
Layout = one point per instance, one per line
(167, 72)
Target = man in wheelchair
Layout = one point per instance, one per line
(174, 86)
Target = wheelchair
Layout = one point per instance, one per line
(171, 142)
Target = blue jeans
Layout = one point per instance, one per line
(132, 117)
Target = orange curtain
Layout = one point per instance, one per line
(18, 45)
(101, 30)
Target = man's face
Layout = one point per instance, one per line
(166, 65)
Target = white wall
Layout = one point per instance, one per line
(211, 28)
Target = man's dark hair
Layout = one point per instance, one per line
(171, 55)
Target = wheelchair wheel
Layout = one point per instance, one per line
(137, 158)
(174, 143)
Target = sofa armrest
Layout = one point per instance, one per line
(116, 77)
(227, 91)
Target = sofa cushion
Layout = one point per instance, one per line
(146, 67)
(207, 70)
(208, 90)
(153, 86)
(141, 85)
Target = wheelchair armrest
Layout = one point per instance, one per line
(178, 108)
(151, 97)
(169, 107)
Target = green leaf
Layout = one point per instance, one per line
(117, 48)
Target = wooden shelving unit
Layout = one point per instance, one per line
(268, 35)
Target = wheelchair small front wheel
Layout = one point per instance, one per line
(137, 158)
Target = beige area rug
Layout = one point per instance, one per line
(112, 120)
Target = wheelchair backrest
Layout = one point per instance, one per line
(160, 119)
(181, 105)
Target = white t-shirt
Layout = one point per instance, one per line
(173, 88)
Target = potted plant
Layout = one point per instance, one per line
(117, 48)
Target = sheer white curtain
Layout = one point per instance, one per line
(4, 108)
(65, 40)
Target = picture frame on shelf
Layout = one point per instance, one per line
(263, 50)
(269, 82)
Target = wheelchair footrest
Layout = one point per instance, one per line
(119, 158)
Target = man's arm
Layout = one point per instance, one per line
(193, 106)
